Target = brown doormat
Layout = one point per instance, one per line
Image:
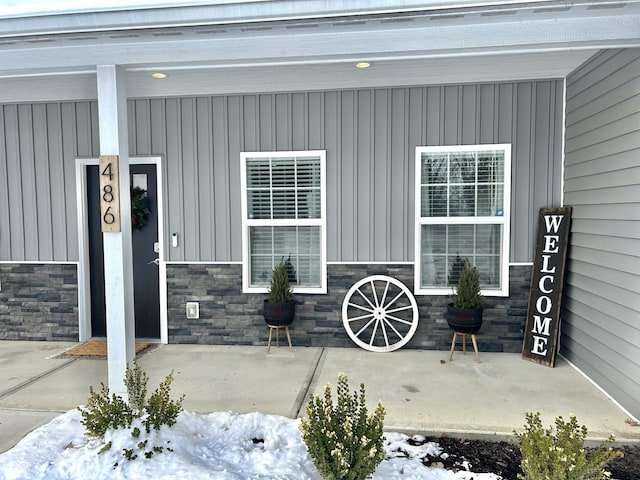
(98, 348)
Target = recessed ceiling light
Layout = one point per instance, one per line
(363, 65)
(159, 75)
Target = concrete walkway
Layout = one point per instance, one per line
(422, 391)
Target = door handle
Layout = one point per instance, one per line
(155, 261)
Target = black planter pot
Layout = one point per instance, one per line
(464, 321)
(279, 314)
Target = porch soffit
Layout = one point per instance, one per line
(506, 42)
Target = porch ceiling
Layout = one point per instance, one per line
(283, 47)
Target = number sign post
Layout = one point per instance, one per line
(543, 315)
(110, 193)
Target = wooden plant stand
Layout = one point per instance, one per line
(464, 344)
(277, 329)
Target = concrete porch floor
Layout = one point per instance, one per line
(422, 390)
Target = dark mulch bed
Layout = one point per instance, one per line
(503, 458)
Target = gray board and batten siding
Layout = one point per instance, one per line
(601, 309)
(369, 135)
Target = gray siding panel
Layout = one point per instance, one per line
(219, 148)
(5, 219)
(56, 179)
(399, 177)
(15, 235)
(619, 195)
(236, 139)
(619, 264)
(364, 174)
(190, 177)
(205, 179)
(28, 179)
(590, 94)
(346, 177)
(38, 147)
(43, 182)
(620, 110)
(370, 136)
(69, 152)
(601, 312)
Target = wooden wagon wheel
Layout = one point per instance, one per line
(379, 313)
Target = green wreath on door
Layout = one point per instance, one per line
(139, 207)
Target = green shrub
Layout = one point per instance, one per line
(104, 412)
(160, 409)
(135, 381)
(344, 441)
(280, 290)
(467, 294)
(561, 455)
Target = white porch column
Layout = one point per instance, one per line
(118, 264)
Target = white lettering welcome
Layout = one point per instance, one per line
(553, 222)
(544, 303)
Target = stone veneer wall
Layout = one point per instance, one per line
(38, 301)
(228, 316)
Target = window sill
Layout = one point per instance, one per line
(296, 290)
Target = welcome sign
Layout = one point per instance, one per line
(547, 279)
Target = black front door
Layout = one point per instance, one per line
(145, 269)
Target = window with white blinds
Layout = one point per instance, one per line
(463, 212)
(283, 207)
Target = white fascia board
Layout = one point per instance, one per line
(374, 40)
(77, 17)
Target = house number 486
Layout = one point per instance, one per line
(110, 193)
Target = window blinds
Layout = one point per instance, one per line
(460, 193)
(286, 190)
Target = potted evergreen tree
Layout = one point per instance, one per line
(279, 308)
(464, 313)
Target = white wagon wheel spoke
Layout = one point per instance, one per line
(384, 295)
(366, 299)
(361, 317)
(394, 329)
(379, 313)
(362, 307)
(399, 309)
(400, 320)
(373, 334)
(365, 327)
(394, 300)
(384, 331)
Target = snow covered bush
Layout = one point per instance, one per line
(344, 441)
(105, 413)
(561, 455)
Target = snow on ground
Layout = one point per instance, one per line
(221, 446)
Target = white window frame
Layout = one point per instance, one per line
(247, 222)
(504, 220)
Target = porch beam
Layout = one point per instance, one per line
(118, 265)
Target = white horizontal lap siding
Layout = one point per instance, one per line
(369, 135)
(601, 310)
